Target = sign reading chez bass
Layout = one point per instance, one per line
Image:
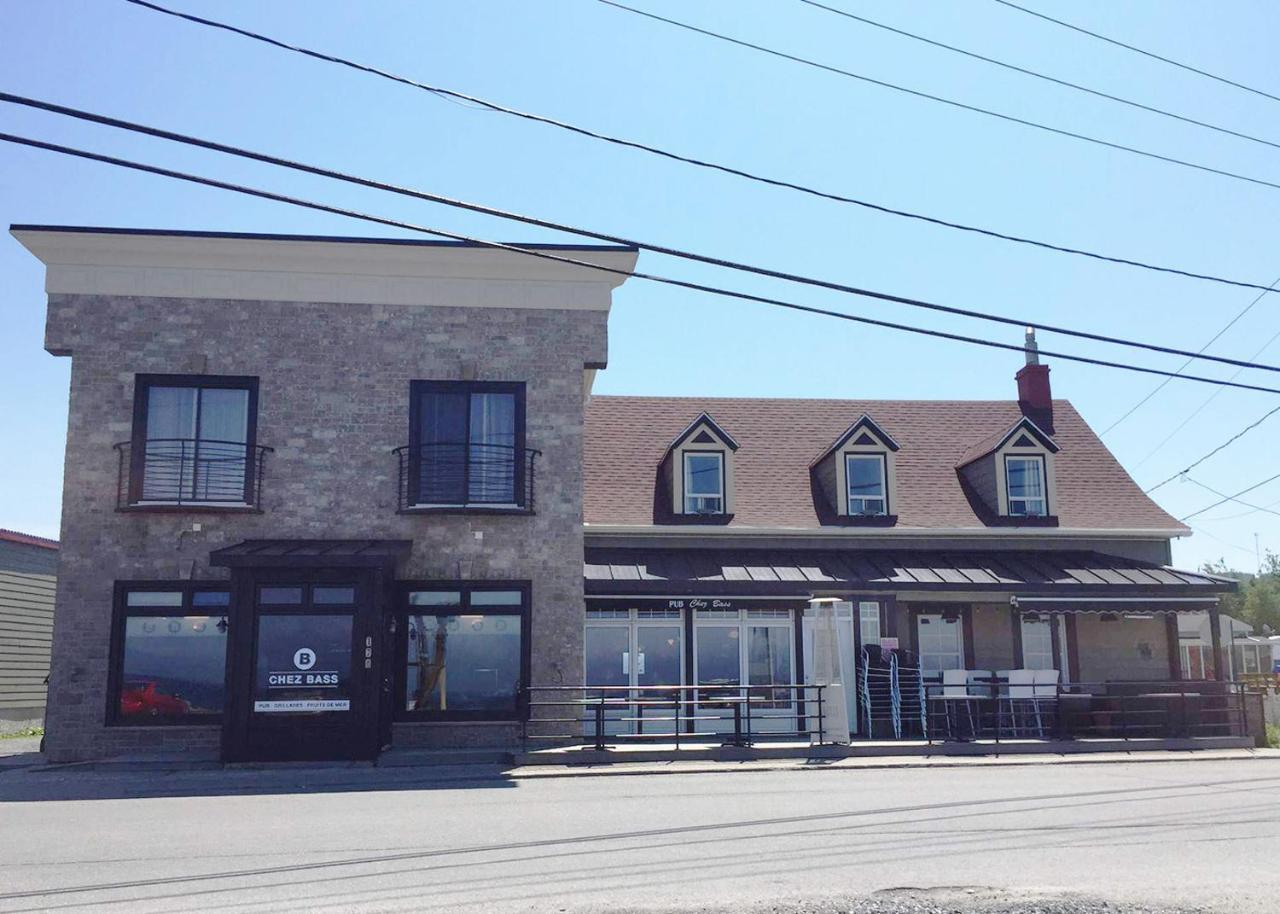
(303, 678)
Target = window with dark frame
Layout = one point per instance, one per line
(704, 482)
(467, 444)
(1026, 489)
(168, 655)
(865, 478)
(193, 440)
(464, 651)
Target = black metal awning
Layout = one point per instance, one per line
(298, 553)
(801, 573)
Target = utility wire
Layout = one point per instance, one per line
(1159, 387)
(1227, 498)
(1043, 76)
(93, 117)
(546, 255)
(1236, 437)
(1231, 498)
(441, 92)
(1267, 506)
(965, 106)
(1137, 50)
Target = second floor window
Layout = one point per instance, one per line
(703, 482)
(866, 479)
(192, 441)
(1025, 479)
(468, 443)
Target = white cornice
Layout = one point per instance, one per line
(842, 533)
(270, 268)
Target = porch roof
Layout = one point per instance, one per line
(770, 572)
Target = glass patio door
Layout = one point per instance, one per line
(754, 648)
(633, 657)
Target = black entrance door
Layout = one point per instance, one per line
(306, 670)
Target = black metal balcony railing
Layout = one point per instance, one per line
(184, 472)
(449, 476)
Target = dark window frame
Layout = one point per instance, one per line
(1044, 479)
(416, 390)
(465, 588)
(142, 384)
(121, 612)
(685, 453)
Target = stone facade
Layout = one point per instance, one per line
(333, 402)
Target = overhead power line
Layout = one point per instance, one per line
(1234, 438)
(1159, 387)
(1227, 498)
(1138, 50)
(1097, 93)
(917, 93)
(546, 255)
(1231, 498)
(451, 94)
(766, 272)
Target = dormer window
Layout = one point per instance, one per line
(703, 482)
(697, 472)
(1025, 478)
(865, 474)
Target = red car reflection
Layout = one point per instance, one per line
(143, 698)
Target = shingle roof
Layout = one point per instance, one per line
(626, 438)
(27, 539)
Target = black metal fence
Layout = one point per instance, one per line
(462, 475)
(731, 715)
(189, 471)
(996, 709)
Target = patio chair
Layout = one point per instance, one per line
(980, 687)
(955, 691)
(1045, 691)
(1020, 695)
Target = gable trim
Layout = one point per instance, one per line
(704, 419)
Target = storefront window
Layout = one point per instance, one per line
(171, 656)
(464, 653)
(303, 665)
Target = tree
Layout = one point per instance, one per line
(1257, 602)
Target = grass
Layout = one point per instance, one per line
(1273, 736)
(20, 734)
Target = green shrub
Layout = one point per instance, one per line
(1273, 736)
(29, 731)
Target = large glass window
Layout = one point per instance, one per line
(1026, 486)
(941, 642)
(1037, 643)
(192, 439)
(464, 652)
(170, 658)
(865, 474)
(703, 482)
(869, 622)
(469, 443)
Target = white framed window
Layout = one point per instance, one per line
(703, 482)
(1025, 486)
(1037, 643)
(941, 642)
(869, 622)
(866, 485)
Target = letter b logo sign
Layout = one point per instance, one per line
(304, 658)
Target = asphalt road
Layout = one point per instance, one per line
(1162, 836)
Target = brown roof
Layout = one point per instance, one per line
(626, 438)
(27, 539)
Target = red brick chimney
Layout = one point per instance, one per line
(1035, 399)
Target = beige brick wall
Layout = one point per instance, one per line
(333, 402)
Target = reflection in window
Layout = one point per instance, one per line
(467, 443)
(196, 443)
(172, 667)
(468, 663)
(1026, 486)
(703, 483)
(769, 661)
(866, 479)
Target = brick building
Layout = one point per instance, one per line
(326, 495)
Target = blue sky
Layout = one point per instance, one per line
(586, 63)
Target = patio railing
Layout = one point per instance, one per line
(736, 715)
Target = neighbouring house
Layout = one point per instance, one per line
(324, 496)
(28, 578)
(1245, 653)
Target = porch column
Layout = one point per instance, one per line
(1215, 633)
(1174, 646)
